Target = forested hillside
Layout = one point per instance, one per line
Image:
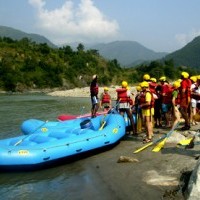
(188, 55)
(25, 65)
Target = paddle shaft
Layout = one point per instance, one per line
(158, 140)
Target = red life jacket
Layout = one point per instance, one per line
(185, 97)
(143, 100)
(152, 87)
(122, 95)
(105, 98)
(167, 98)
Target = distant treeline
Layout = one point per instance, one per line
(26, 65)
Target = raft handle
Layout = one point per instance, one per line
(47, 158)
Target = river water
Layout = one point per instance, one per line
(61, 182)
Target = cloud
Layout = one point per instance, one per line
(70, 23)
(184, 39)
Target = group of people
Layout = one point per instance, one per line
(155, 103)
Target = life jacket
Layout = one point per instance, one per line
(105, 98)
(167, 97)
(152, 87)
(143, 100)
(122, 95)
(187, 94)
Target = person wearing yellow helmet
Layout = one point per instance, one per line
(162, 79)
(193, 79)
(147, 105)
(185, 96)
(124, 84)
(184, 75)
(124, 103)
(105, 100)
(146, 77)
(94, 90)
(166, 96)
(152, 86)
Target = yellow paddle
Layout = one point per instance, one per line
(185, 142)
(144, 147)
(159, 146)
(161, 140)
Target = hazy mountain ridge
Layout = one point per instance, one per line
(127, 52)
(18, 35)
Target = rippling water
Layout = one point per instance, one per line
(62, 182)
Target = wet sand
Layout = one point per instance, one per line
(156, 175)
(159, 175)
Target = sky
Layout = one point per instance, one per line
(159, 25)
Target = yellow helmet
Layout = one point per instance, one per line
(105, 88)
(176, 84)
(193, 78)
(144, 84)
(153, 80)
(138, 88)
(163, 78)
(146, 77)
(184, 74)
(179, 80)
(124, 84)
(198, 77)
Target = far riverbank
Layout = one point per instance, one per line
(85, 92)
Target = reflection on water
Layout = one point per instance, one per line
(67, 181)
(14, 109)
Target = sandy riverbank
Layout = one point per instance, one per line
(151, 175)
(159, 175)
(85, 92)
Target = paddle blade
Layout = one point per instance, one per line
(159, 146)
(185, 142)
(144, 147)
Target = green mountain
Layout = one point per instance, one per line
(18, 35)
(128, 53)
(188, 55)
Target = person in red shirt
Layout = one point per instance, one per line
(166, 95)
(185, 95)
(94, 90)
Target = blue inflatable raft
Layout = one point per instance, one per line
(46, 143)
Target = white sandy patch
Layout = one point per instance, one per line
(85, 92)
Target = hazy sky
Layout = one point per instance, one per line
(160, 25)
